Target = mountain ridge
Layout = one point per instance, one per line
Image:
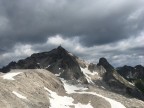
(68, 66)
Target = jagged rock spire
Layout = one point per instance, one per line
(103, 62)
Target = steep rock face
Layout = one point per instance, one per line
(58, 61)
(108, 75)
(105, 64)
(115, 80)
(98, 68)
(109, 68)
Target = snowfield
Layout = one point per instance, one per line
(87, 74)
(9, 76)
(73, 89)
(57, 101)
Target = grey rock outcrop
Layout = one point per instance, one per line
(98, 68)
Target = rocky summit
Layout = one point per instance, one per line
(58, 61)
(59, 79)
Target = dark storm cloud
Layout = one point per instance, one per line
(97, 22)
(31, 23)
(2, 51)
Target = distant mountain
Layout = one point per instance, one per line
(130, 73)
(134, 75)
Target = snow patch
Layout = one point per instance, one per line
(70, 54)
(57, 101)
(19, 95)
(85, 70)
(9, 76)
(48, 66)
(58, 74)
(102, 87)
(114, 104)
(72, 89)
(87, 74)
(79, 105)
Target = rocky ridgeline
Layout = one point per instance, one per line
(129, 72)
(66, 65)
(58, 61)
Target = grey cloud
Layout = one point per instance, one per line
(95, 23)
(32, 21)
(2, 51)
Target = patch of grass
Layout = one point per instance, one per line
(140, 84)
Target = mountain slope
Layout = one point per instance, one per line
(58, 61)
(116, 81)
(38, 88)
(24, 88)
(134, 75)
(66, 65)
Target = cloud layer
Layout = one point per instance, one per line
(90, 29)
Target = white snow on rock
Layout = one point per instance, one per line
(9, 76)
(70, 54)
(85, 70)
(48, 66)
(79, 105)
(87, 74)
(72, 89)
(57, 101)
(58, 74)
(19, 95)
(114, 104)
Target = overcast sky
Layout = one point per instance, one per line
(88, 28)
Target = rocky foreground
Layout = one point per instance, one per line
(39, 88)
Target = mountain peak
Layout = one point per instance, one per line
(61, 49)
(57, 61)
(103, 61)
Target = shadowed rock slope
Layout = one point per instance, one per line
(58, 61)
(116, 81)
